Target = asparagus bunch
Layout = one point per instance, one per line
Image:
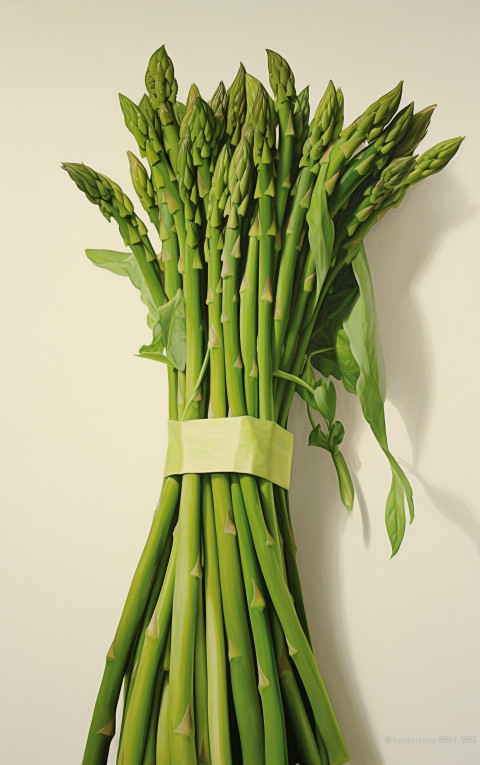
(260, 276)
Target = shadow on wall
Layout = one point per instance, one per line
(399, 252)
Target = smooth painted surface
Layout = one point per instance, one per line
(84, 421)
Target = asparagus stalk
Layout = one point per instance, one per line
(323, 130)
(162, 89)
(282, 83)
(240, 656)
(217, 686)
(137, 718)
(263, 143)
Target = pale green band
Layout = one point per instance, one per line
(230, 445)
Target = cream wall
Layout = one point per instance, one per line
(84, 420)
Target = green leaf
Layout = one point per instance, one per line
(318, 438)
(125, 264)
(169, 334)
(321, 232)
(349, 369)
(360, 331)
(335, 435)
(325, 399)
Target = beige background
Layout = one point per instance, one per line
(84, 420)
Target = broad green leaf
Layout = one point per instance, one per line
(360, 331)
(155, 351)
(360, 328)
(349, 369)
(321, 232)
(169, 334)
(125, 264)
(325, 399)
(318, 438)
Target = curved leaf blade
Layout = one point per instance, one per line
(361, 334)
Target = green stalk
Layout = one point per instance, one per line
(265, 292)
(214, 244)
(152, 197)
(282, 83)
(388, 191)
(112, 202)
(297, 715)
(371, 160)
(290, 552)
(162, 89)
(323, 130)
(239, 179)
(217, 703)
(301, 203)
(188, 570)
(163, 731)
(242, 672)
(271, 708)
(200, 683)
(137, 718)
(268, 683)
(230, 320)
(102, 727)
(129, 682)
(299, 647)
(248, 322)
(188, 574)
(150, 756)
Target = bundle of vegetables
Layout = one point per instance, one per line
(261, 278)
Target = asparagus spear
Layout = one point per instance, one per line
(263, 145)
(162, 88)
(237, 105)
(323, 130)
(113, 203)
(282, 83)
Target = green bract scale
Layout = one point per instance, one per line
(257, 286)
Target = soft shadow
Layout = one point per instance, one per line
(319, 520)
(451, 507)
(400, 250)
(399, 254)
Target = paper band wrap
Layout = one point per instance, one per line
(230, 445)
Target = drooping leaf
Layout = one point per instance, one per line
(169, 334)
(349, 369)
(321, 232)
(335, 435)
(331, 442)
(360, 331)
(155, 351)
(325, 399)
(125, 264)
(318, 438)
